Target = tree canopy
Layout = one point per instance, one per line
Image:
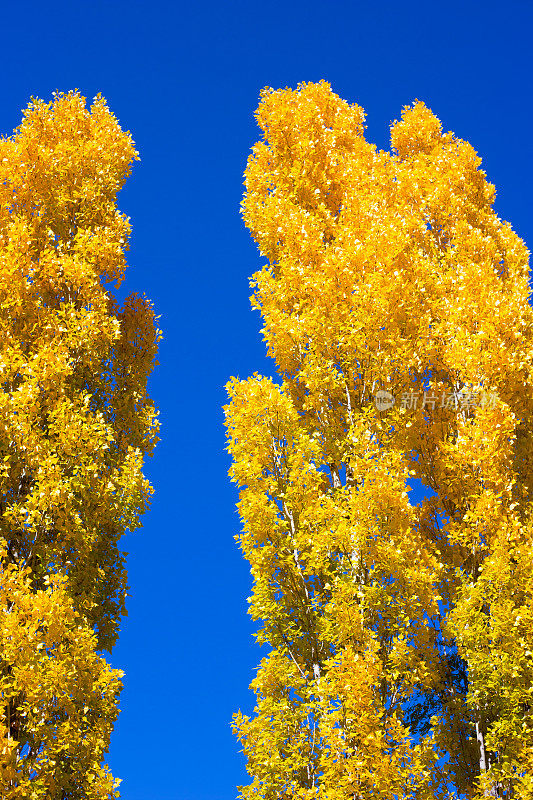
(395, 304)
(75, 424)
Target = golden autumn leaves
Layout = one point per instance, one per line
(400, 635)
(60, 696)
(75, 423)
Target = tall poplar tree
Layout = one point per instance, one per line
(75, 423)
(395, 305)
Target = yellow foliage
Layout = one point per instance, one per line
(75, 422)
(399, 632)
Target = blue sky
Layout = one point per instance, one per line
(184, 78)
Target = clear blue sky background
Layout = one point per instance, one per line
(184, 78)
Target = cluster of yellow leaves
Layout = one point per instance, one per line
(59, 698)
(75, 423)
(387, 271)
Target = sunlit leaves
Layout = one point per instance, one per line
(400, 661)
(75, 423)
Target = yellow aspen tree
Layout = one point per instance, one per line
(395, 305)
(75, 424)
